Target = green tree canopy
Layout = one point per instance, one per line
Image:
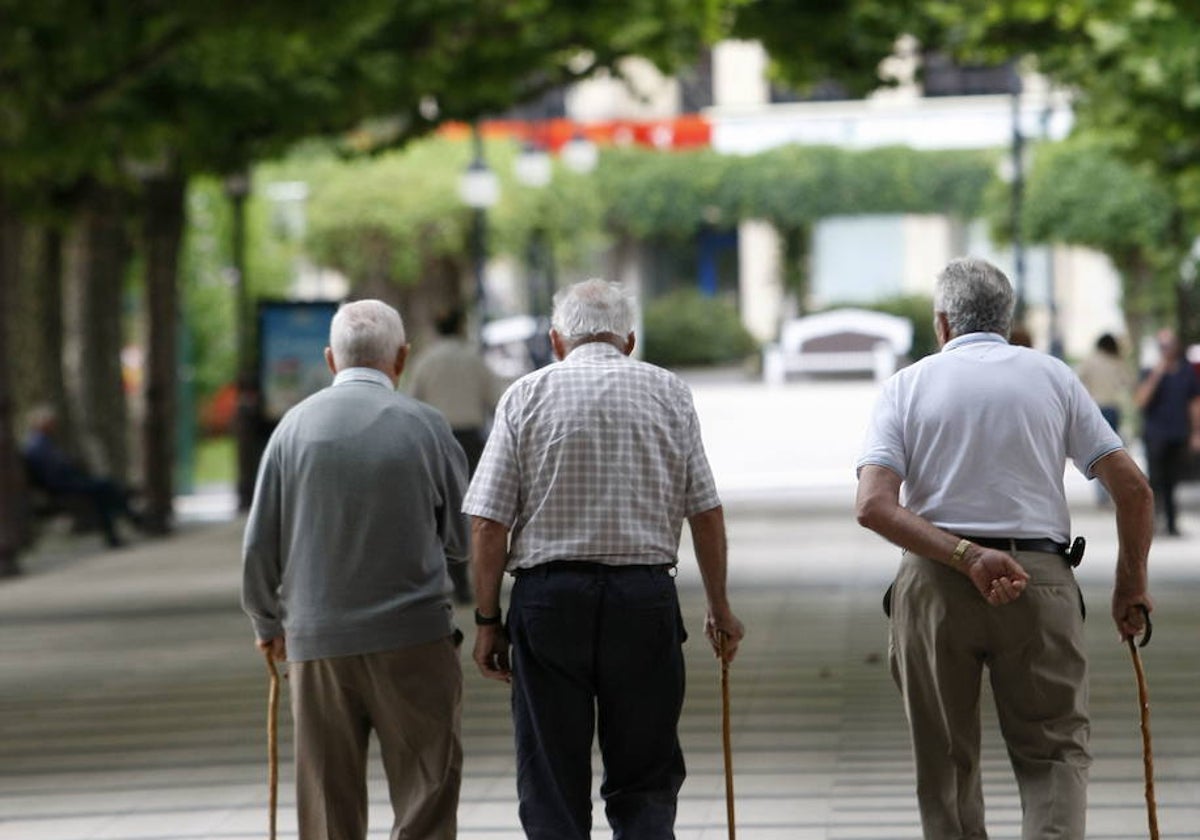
(1082, 193)
(653, 194)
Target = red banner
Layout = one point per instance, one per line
(689, 131)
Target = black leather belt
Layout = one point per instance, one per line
(595, 568)
(1072, 552)
(1020, 544)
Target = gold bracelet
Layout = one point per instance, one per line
(956, 559)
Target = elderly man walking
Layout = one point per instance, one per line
(979, 435)
(355, 515)
(592, 465)
(453, 377)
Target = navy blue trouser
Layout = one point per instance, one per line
(590, 644)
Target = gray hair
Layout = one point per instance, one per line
(975, 296)
(365, 333)
(593, 307)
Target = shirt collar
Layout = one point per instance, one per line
(363, 374)
(593, 350)
(974, 338)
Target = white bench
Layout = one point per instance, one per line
(838, 341)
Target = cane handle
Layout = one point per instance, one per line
(1149, 631)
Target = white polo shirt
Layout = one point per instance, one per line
(980, 434)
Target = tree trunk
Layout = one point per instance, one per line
(95, 260)
(796, 265)
(1137, 293)
(162, 232)
(13, 515)
(36, 337)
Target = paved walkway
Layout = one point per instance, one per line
(132, 703)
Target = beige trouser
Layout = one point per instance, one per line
(412, 698)
(942, 634)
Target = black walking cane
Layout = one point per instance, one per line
(1144, 707)
(272, 741)
(725, 739)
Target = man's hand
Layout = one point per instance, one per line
(491, 653)
(1127, 612)
(276, 647)
(997, 576)
(723, 622)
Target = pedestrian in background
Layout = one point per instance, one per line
(49, 468)
(355, 515)
(453, 377)
(1168, 396)
(978, 435)
(1109, 379)
(592, 466)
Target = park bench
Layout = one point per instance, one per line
(45, 507)
(840, 341)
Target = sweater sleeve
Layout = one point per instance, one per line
(262, 560)
(452, 523)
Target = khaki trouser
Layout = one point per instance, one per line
(942, 634)
(412, 698)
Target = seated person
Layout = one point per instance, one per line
(49, 468)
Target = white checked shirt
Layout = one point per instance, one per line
(596, 458)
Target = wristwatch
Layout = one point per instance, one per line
(482, 620)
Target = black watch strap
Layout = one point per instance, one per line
(482, 620)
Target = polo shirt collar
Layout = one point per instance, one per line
(974, 338)
(362, 374)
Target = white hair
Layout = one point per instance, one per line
(365, 333)
(591, 308)
(975, 296)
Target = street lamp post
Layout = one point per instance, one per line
(580, 154)
(479, 188)
(1056, 338)
(1018, 196)
(245, 421)
(535, 171)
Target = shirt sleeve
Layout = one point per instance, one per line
(701, 493)
(262, 561)
(1089, 437)
(495, 490)
(884, 444)
(452, 523)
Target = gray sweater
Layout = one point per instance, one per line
(355, 515)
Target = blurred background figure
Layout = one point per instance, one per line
(50, 469)
(1109, 379)
(1019, 336)
(1168, 396)
(452, 376)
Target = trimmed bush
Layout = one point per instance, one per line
(687, 329)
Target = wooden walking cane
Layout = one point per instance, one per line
(272, 741)
(1144, 707)
(725, 740)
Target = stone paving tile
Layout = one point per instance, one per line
(132, 703)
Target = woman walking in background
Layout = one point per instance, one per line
(1109, 380)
